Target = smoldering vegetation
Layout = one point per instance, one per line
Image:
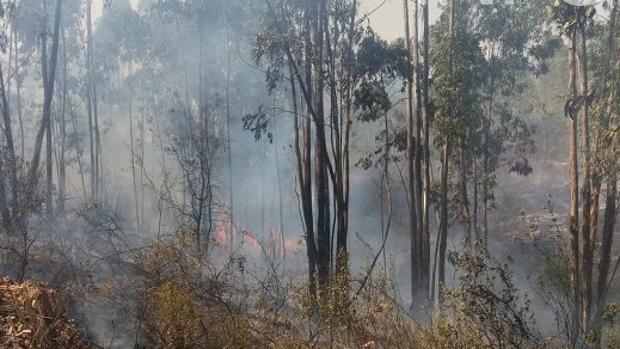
(276, 174)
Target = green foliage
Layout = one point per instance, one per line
(458, 65)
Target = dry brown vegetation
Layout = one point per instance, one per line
(34, 316)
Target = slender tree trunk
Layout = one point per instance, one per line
(62, 165)
(605, 262)
(89, 96)
(48, 141)
(574, 174)
(475, 175)
(442, 241)
(231, 231)
(98, 149)
(486, 170)
(78, 149)
(321, 184)
(304, 169)
(411, 165)
(465, 211)
(141, 164)
(49, 168)
(4, 209)
(587, 243)
(5, 213)
(421, 293)
(342, 130)
(609, 219)
(132, 155)
(427, 155)
(94, 133)
(48, 95)
(19, 97)
(8, 133)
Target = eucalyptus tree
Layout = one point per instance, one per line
(115, 53)
(516, 40)
(596, 105)
(457, 75)
(334, 65)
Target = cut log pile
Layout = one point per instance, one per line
(34, 316)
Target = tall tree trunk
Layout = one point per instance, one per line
(231, 231)
(78, 148)
(586, 233)
(411, 162)
(421, 293)
(605, 262)
(48, 78)
(62, 165)
(321, 160)
(303, 152)
(5, 214)
(19, 96)
(93, 111)
(48, 142)
(49, 168)
(476, 184)
(90, 106)
(427, 154)
(609, 219)
(8, 133)
(574, 198)
(485, 168)
(342, 130)
(132, 150)
(442, 239)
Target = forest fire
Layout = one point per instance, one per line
(359, 155)
(247, 242)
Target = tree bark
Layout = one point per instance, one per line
(231, 203)
(465, 211)
(62, 165)
(321, 160)
(427, 155)
(411, 165)
(89, 96)
(574, 199)
(586, 233)
(8, 133)
(442, 240)
(605, 262)
(48, 95)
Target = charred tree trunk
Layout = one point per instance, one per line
(605, 262)
(321, 159)
(303, 151)
(442, 239)
(10, 147)
(48, 79)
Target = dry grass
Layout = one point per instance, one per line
(33, 316)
